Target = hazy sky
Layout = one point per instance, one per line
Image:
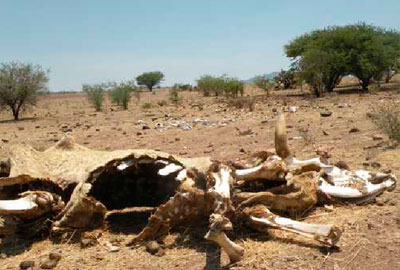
(88, 41)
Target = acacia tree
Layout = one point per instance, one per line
(20, 84)
(362, 50)
(150, 79)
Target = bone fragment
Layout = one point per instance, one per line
(234, 251)
(171, 168)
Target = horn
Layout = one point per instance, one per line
(281, 146)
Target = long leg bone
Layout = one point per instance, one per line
(260, 217)
(219, 182)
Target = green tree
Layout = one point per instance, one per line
(120, 94)
(95, 93)
(286, 78)
(362, 50)
(150, 79)
(20, 84)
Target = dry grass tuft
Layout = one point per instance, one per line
(386, 117)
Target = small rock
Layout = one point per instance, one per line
(55, 256)
(21, 128)
(325, 133)
(342, 165)
(139, 133)
(5, 140)
(144, 127)
(26, 264)
(328, 208)
(50, 264)
(87, 243)
(377, 137)
(153, 247)
(353, 130)
(379, 202)
(326, 113)
(392, 202)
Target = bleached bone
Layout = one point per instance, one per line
(234, 251)
(125, 164)
(295, 164)
(220, 191)
(274, 168)
(359, 186)
(326, 234)
(32, 204)
(170, 168)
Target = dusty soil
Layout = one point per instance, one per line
(371, 237)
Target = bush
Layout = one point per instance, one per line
(174, 96)
(242, 103)
(120, 94)
(218, 86)
(20, 84)
(162, 103)
(95, 93)
(147, 106)
(263, 82)
(182, 87)
(386, 116)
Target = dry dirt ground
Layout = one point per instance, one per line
(371, 237)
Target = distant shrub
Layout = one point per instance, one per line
(387, 117)
(162, 103)
(242, 103)
(120, 94)
(182, 87)
(147, 106)
(218, 86)
(174, 96)
(263, 82)
(95, 93)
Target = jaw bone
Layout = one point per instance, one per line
(260, 216)
(32, 204)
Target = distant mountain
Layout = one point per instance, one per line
(270, 76)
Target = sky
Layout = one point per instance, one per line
(93, 41)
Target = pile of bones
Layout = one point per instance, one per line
(70, 187)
